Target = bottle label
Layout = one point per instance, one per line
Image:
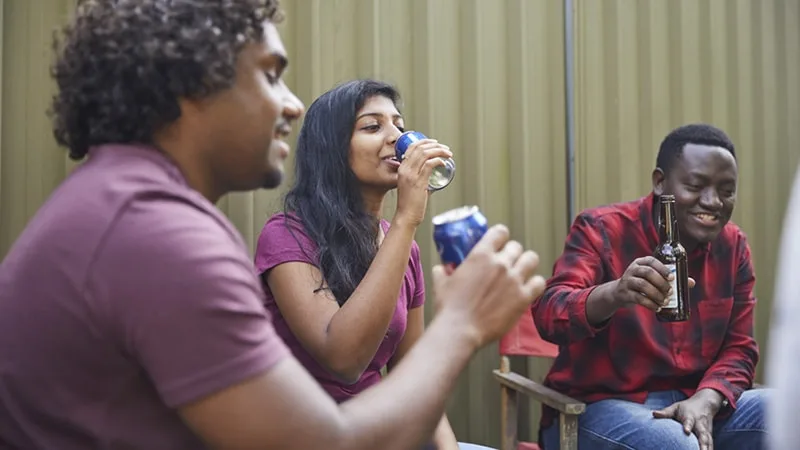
(673, 299)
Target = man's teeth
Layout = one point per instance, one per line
(706, 217)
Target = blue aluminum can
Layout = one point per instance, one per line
(456, 231)
(405, 140)
(441, 176)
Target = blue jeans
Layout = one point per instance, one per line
(619, 424)
(462, 446)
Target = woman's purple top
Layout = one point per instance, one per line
(277, 245)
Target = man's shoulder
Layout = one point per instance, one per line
(176, 228)
(118, 181)
(124, 201)
(614, 215)
(148, 214)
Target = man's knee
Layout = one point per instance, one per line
(646, 434)
(750, 411)
(617, 425)
(755, 396)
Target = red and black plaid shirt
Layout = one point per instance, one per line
(633, 353)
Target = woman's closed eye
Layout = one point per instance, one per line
(375, 127)
(272, 78)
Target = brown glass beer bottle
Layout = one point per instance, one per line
(672, 254)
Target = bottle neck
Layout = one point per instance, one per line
(669, 224)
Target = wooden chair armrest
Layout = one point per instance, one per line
(543, 394)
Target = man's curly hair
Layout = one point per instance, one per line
(122, 65)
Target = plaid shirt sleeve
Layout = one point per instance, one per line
(734, 369)
(560, 313)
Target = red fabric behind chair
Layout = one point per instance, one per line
(528, 446)
(524, 340)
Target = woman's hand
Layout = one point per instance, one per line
(412, 184)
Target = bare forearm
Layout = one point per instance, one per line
(600, 304)
(443, 437)
(423, 380)
(356, 331)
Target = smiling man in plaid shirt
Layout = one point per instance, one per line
(650, 384)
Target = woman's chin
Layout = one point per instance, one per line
(385, 184)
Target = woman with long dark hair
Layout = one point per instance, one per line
(344, 286)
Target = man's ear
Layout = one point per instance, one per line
(658, 181)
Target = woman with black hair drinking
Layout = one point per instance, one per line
(344, 286)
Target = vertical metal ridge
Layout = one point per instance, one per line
(569, 107)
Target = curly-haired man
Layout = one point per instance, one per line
(130, 312)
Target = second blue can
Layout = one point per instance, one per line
(455, 233)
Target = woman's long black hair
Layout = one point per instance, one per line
(326, 196)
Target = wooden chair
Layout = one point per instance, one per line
(524, 340)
